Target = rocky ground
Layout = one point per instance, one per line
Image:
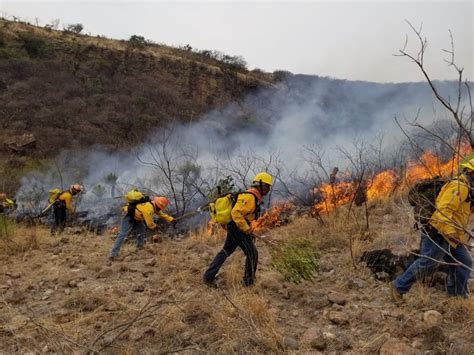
(63, 295)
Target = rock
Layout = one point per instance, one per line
(382, 276)
(461, 347)
(72, 283)
(291, 343)
(432, 318)
(338, 318)
(64, 240)
(314, 337)
(370, 316)
(150, 262)
(356, 283)
(417, 344)
(337, 297)
(13, 275)
(284, 293)
(396, 347)
(105, 273)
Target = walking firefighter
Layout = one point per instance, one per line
(444, 239)
(237, 214)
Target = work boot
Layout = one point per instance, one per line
(397, 297)
(210, 283)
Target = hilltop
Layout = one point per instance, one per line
(70, 90)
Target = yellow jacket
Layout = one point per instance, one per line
(144, 212)
(66, 198)
(453, 208)
(244, 210)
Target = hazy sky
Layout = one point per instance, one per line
(349, 40)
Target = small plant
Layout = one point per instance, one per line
(296, 261)
(136, 41)
(74, 28)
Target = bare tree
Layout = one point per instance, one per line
(460, 110)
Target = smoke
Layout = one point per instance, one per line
(266, 129)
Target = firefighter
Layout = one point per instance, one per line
(62, 205)
(444, 239)
(137, 219)
(239, 231)
(6, 204)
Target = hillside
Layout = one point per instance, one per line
(62, 295)
(72, 91)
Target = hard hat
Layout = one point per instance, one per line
(469, 165)
(264, 178)
(161, 202)
(76, 188)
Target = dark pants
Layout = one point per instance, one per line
(60, 216)
(235, 238)
(435, 247)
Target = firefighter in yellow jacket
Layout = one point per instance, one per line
(62, 205)
(239, 231)
(136, 220)
(6, 204)
(445, 238)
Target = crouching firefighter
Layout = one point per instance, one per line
(139, 216)
(239, 231)
(444, 239)
(61, 202)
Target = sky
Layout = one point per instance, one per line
(352, 40)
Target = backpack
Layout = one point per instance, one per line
(221, 209)
(135, 197)
(422, 196)
(53, 195)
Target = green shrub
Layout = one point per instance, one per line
(296, 261)
(74, 28)
(35, 46)
(136, 41)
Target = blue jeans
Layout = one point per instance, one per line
(128, 225)
(434, 246)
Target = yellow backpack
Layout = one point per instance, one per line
(53, 195)
(133, 196)
(221, 209)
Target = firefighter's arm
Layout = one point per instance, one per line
(244, 206)
(164, 216)
(148, 217)
(67, 198)
(447, 204)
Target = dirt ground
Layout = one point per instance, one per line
(62, 295)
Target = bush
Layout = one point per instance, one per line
(296, 261)
(280, 75)
(74, 28)
(2, 40)
(35, 46)
(136, 41)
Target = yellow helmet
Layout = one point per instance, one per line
(264, 178)
(468, 165)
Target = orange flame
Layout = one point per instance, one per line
(385, 182)
(271, 218)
